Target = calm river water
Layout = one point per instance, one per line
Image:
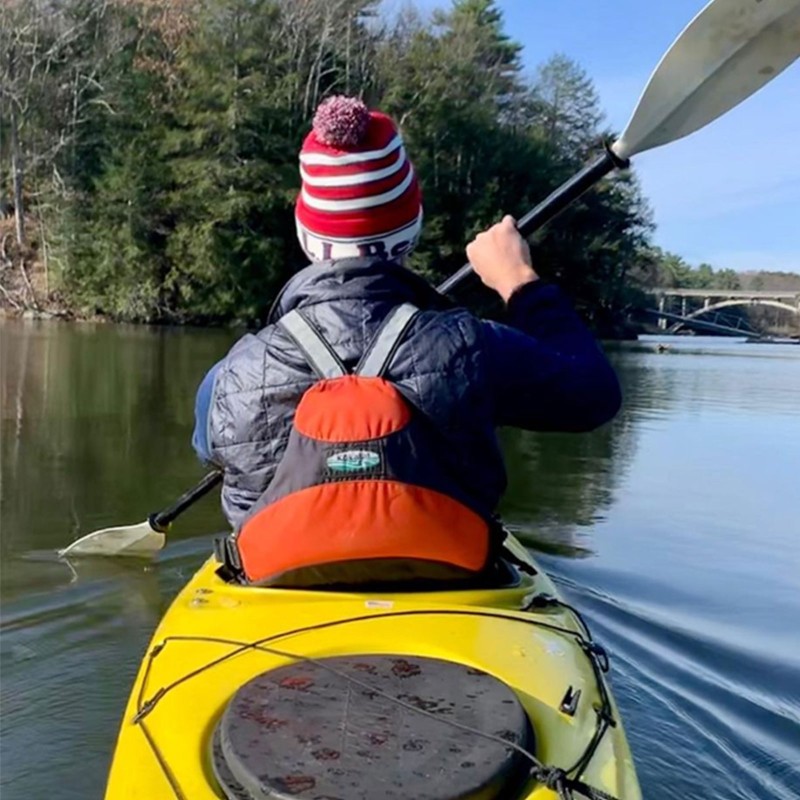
(676, 529)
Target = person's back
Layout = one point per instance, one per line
(359, 212)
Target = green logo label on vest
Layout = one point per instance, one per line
(353, 461)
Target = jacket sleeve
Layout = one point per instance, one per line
(545, 368)
(202, 410)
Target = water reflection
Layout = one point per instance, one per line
(95, 422)
(562, 485)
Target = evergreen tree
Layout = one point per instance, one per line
(453, 87)
(567, 107)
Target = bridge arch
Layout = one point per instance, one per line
(748, 301)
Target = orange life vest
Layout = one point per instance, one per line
(359, 496)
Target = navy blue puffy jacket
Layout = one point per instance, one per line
(540, 370)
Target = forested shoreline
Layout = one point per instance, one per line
(148, 151)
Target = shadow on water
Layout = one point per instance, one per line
(672, 529)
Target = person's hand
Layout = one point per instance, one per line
(502, 258)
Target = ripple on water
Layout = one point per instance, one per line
(708, 712)
(69, 653)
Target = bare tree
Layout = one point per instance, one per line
(330, 44)
(4, 204)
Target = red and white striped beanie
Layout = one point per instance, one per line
(359, 195)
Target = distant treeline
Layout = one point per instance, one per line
(671, 271)
(148, 148)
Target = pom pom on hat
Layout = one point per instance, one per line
(341, 121)
(359, 194)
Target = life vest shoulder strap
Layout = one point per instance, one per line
(312, 344)
(381, 350)
(323, 359)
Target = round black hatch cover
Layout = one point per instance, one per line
(329, 730)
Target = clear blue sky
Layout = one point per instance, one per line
(730, 193)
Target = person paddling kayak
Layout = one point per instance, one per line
(357, 311)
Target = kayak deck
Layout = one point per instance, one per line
(216, 637)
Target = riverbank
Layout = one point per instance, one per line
(27, 292)
(29, 289)
(52, 308)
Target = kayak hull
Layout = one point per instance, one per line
(216, 637)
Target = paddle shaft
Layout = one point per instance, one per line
(552, 205)
(161, 520)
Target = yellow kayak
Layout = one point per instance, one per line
(490, 693)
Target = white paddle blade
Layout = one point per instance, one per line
(726, 53)
(131, 540)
